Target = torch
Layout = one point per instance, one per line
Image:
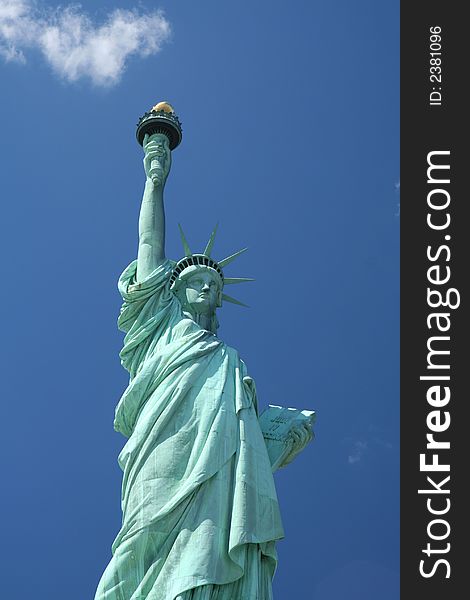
(160, 119)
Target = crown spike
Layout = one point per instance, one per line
(231, 280)
(228, 298)
(187, 250)
(211, 241)
(229, 259)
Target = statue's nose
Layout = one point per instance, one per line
(205, 287)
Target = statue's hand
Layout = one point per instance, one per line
(157, 159)
(301, 436)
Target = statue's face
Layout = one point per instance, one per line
(202, 291)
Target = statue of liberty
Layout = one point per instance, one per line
(200, 511)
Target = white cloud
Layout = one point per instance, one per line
(370, 442)
(397, 189)
(73, 45)
(358, 452)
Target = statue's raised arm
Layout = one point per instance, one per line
(157, 164)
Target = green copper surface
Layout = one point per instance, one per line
(200, 511)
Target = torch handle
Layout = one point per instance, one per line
(154, 169)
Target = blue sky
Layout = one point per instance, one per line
(291, 133)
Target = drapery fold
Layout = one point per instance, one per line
(198, 498)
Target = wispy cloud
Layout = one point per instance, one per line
(358, 450)
(366, 444)
(73, 45)
(397, 189)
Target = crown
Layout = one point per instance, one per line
(191, 262)
(160, 119)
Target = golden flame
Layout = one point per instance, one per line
(165, 106)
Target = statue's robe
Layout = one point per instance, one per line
(200, 511)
